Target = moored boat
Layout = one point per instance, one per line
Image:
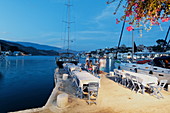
(66, 58)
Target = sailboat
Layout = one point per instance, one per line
(67, 57)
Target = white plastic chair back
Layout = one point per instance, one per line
(162, 83)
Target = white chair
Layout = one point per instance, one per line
(128, 80)
(140, 86)
(112, 74)
(156, 89)
(117, 76)
(136, 83)
(75, 83)
(93, 92)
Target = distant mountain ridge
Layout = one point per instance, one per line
(39, 46)
(13, 46)
(44, 47)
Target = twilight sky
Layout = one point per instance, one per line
(94, 27)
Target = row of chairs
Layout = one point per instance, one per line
(129, 81)
(89, 90)
(134, 83)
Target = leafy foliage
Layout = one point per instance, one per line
(144, 13)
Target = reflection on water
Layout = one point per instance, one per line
(25, 82)
(1, 76)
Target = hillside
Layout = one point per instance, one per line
(12, 46)
(45, 47)
(39, 46)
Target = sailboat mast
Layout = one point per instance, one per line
(133, 50)
(164, 49)
(68, 27)
(120, 37)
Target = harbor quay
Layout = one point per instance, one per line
(112, 98)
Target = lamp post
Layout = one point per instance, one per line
(133, 51)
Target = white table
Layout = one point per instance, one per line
(82, 79)
(74, 67)
(71, 67)
(145, 79)
(85, 78)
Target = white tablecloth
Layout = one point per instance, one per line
(85, 78)
(71, 67)
(146, 79)
(74, 67)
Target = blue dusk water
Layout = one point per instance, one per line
(27, 81)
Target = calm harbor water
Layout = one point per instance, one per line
(27, 81)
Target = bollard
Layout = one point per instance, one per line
(65, 76)
(62, 100)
